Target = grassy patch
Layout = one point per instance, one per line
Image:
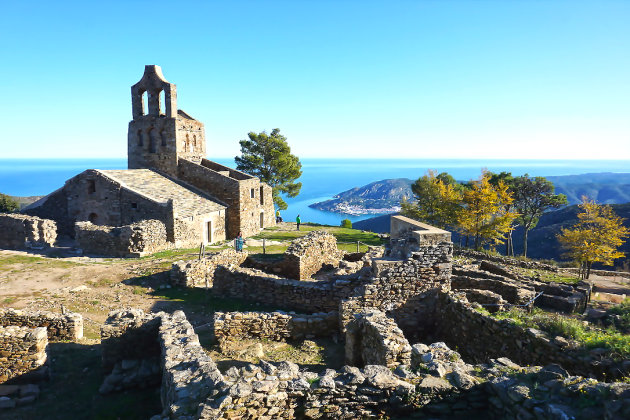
(9, 300)
(9, 260)
(349, 236)
(549, 276)
(587, 336)
(623, 310)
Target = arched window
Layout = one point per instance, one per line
(140, 138)
(194, 144)
(163, 137)
(152, 141)
(162, 103)
(187, 143)
(145, 103)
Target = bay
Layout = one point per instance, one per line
(321, 179)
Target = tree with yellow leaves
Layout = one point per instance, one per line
(485, 215)
(437, 200)
(595, 237)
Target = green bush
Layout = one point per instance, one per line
(346, 223)
(8, 204)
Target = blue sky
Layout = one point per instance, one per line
(414, 79)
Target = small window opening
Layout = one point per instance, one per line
(163, 137)
(209, 232)
(262, 220)
(134, 205)
(91, 186)
(162, 103)
(253, 193)
(140, 138)
(262, 196)
(145, 103)
(152, 141)
(93, 218)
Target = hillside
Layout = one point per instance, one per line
(605, 188)
(377, 197)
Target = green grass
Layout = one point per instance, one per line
(9, 300)
(623, 310)
(549, 276)
(588, 337)
(9, 260)
(351, 236)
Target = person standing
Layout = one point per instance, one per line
(238, 242)
(278, 218)
(298, 221)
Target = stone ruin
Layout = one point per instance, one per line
(392, 301)
(399, 314)
(20, 231)
(135, 240)
(24, 338)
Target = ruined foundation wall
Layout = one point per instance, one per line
(405, 289)
(479, 336)
(138, 239)
(20, 231)
(22, 350)
(59, 327)
(307, 255)
(200, 273)
(258, 286)
(277, 326)
(374, 339)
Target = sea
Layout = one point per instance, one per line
(321, 178)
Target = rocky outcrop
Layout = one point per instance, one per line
(22, 351)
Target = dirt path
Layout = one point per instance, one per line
(610, 289)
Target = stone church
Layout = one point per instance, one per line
(168, 180)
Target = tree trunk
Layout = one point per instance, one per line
(525, 242)
(588, 269)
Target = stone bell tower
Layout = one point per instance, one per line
(160, 134)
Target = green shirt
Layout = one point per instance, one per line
(297, 219)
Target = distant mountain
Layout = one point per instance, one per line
(377, 197)
(605, 188)
(25, 201)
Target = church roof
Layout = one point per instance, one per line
(187, 200)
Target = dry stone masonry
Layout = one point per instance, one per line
(135, 240)
(20, 231)
(277, 326)
(200, 272)
(22, 351)
(59, 327)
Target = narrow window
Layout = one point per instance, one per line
(91, 186)
(152, 141)
(262, 196)
(163, 137)
(162, 104)
(140, 138)
(93, 218)
(145, 103)
(253, 193)
(134, 205)
(262, 220)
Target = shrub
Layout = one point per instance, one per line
(8, 204)
(346, 223)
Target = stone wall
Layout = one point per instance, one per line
(22, 350)
(200, 273)
(59, 327)
(257, 286)
(20, 231)
(373, 338)
(129, 335)
(138, 239)
(277, 326)
(404, 227)
(406, 290)
(479, 337)
(308, 254)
